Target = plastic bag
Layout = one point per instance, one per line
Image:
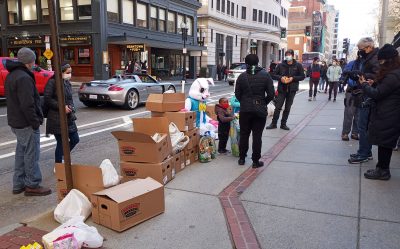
(110, 175)
(271, 108)
(178, 139)
(73, 205)
(207, 149)
(234, 134)
(73, 234)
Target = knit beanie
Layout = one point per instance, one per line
(251, 60)
(387, 52)
(26, 55)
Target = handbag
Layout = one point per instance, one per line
(259, 103)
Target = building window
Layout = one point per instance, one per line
(255, 15)
(212, 4)
(260, 13)
(127, 12)
(189, 23)
(83, 56)
(228, 7)
(161, 24)
(141, 15)
(269, 18)
(179, 21)
(236, 41)
(112, 11)
(232, 9)
(229, 51)
(237, 11)
(297, 40)
(153, 18)
(219, 49)
(84, 9)
(265, 17)
(45, 11)
(13, 9)
(218, 5)
(69, 55)
(28, 10)
(212, 35)
(66, 10)
(171, 22)
(243, 13)
(223, 6)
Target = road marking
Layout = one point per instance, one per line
(7, 155)
(3, 115)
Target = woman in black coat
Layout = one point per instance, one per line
(384, 124)
(53, 117)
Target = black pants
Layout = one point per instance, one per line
(287, 98)
(384, 156)
(313, 84)
(251, 123)
(333, 85)
(223, 135)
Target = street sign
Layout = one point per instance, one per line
(48, 54)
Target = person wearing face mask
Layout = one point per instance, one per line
(334, 72)
(288, 74)
(314, 72)
(24, 115)
(53, 116)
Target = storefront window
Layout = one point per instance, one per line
(83, 56)
(112, 11)
(69, 55)
(153, 18)
(171, 22)
(189, 22)
(84, 9)
(45, 11)
(127, 11)
(180, 21)
(161, 24)
(12, 11)
(67, 10)
(142, 15)
(28, 10)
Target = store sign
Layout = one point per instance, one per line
(25, 41)
(76, 39)
(135, 47)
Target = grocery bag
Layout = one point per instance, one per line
(73, 205)
(110, 175)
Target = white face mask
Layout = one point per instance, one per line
(66, 76)
(288, 58)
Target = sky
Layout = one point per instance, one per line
(357, 18)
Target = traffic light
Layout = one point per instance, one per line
(308, 31)
(346, 43)
(283, 33)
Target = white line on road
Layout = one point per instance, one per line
(3, 115)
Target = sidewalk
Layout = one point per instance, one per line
(307, 196)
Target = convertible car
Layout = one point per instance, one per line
(126, 91)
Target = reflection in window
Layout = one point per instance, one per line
(28, 10)
(69, 55)
(83, 56)
(161, 24)
(189, 23)
(180, 21)
(84, 9)
(153, 18)
(12, 11)
(171, 22)
(112, 11)
(45, 11)
(67, 10)
(127, 11)
(142, 15)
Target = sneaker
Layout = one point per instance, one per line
(309, 99)
(241, 161)
(370, 157)
(354, 136)
(38, 191)
(345, 137)
(271, 126)
(18, 191)
(315, 98)
(257, 164)
(334, 100)
(358, 159)
(378, 174)
(284, 127)
(329, 99)
(224, 151)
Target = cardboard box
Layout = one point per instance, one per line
(140, 147)
(179, 162)
(194, 136)
(188, 160)
(161, 172)
(167, 102)
(193, 155)
(210, 110)
(184, 120)
(86, 178)
(128, 204)
(157, 114)
(153, 125)
(196, 153)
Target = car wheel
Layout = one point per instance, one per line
(171, 87)
(90, 103)
(131, 99)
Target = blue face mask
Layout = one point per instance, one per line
(288, 58)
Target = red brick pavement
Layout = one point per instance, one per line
(240, 228)
(21, 236)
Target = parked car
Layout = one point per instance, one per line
(126, 91)
(234, 71)
(41, 76)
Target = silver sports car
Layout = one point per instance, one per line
(122, 90)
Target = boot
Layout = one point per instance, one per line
(241, 161)
(38, 191)
(257, 164)
(284, 127)
(378, 174)
(271, 126)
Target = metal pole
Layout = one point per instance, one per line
(60, 91)
(184, 34)
(382, 28)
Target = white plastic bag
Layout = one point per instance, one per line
(73, 234)
(73, 205)
(271, 108)
(175, 134)
(110, 175)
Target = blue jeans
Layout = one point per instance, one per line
(364, 148)
(26, 168)
(73, 140)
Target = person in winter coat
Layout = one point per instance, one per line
(334, 72)
(288, 74)
(53, 116)
(314, 72)
(384, 124)
(224, 123)
(251, 88)
(323, 80)
(24, 115)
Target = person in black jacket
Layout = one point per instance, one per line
(384, 123)
(324, 79)
(288, 74)
(25, 116)
(250, 90)
(314, 72)
(53, 116)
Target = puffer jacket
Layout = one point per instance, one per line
(294, 70)
(370, 64)
(51, 103)
(334, 73)
(260, 83)
(384, 124)
(223, 115)
(23, 100)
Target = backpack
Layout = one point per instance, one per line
(207, 149)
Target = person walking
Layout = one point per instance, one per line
(314, 72)
(251, 88)
(53, 125)
(322, 81)
(384, 124)
(24, 116)
(288, 74)
(334, 72)
(369, 68)
(224, 123)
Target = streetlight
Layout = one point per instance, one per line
(201, 35)
(184, 30)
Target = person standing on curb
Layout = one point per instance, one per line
(250, 90)
(334, 72)
(314, 72)
(53, 125)
(24, 115)
(288, 74)
(323, 80)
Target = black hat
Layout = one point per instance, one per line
(387, 52)
(315, 59)
(251, 60)
(290, 51)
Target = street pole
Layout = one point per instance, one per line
(60, 91)
(382, 28)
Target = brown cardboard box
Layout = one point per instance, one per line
(184, 120)
(153, 125)
(187, 157)
(140, 147)
(128, 204)
(195, 137)
(86, 178)
(193, 155)
(196, 153)
(210, 110)
(161, 172)
(167, 102)
(177, 158)
(157, 114)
